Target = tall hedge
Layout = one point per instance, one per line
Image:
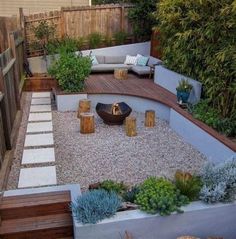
(198, 38)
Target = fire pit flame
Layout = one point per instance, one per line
(116, 109)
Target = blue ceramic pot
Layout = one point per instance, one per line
(181, 95)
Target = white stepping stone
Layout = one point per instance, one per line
(32, 156)
(40, 108)
(39, 127)
(41, 95)
(41, 101)
(33, 140)
(34, 177)
(40, 116)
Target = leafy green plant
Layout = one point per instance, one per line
(120, 37)
(211, 116)
(219, 182)
(95, 40)
(199, 42)
(130, 195)
(111, 186)
(160, 196)
(94, 206)
(71, 70)
(108, 41)
(184, 86)
(188, 185)
(142, 18)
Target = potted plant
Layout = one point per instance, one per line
(183, 91)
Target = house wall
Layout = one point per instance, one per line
(9, 8)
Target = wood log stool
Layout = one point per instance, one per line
(150, 118)
(121, 74)
(87, 124)
(84, 107)
(130, 126)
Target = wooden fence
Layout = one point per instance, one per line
(77, 22)
(11, 70)
(7, 24)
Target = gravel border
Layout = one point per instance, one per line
(109, 154)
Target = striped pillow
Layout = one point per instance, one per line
(130, 60)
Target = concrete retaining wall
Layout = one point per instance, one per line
(213, 149)
(170, 80)
(199, 220)
(38, 64)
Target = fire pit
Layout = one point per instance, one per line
(113, 114)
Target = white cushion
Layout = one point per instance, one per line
(130, 60)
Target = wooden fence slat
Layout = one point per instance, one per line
(2, 137)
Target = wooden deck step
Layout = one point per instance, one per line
(50, 226)
(16, 207)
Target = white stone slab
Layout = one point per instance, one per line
(41, 94)
(39, 127)
(44, 155)
(40, 117)
(41, 101)
(35, 177)
(33, 140)
(40, 108)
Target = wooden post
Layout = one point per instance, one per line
(16, 69)
(84, 107)
(150, 118)
(62, 23)
(87, 124)
(130, 126)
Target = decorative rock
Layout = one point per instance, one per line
(84, 107)
(130, 126)
(87, 124)
(150, 118)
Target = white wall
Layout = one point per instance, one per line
(213, 149)
(170, 80)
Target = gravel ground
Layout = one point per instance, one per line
(109, 154)
(15, 169)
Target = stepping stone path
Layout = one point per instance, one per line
(38, 147)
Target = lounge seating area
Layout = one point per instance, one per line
(109, 63)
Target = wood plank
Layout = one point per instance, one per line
(50, 226)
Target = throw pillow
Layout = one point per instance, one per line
(142, 60)
(94, 60)
(130, 60)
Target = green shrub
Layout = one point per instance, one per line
(188, 185)
(198, 40)
(108, 41)
(111, 186)
(94, 40)
(159, 196)
(211, 116)
(130, 195)
(219, 182)
(96, 205)
(142, 18)
(120, 37)
(71, 71)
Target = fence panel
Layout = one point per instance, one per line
(79, 22)
(2, 137)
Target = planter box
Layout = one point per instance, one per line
(198, 219)
(68, 102)
(169, 80)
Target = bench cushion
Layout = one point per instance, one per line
(108, 67)
(141, 70)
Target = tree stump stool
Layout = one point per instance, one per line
(121, 74)
(150, 118)
(84, 107)
(130, 126)
(87, 124)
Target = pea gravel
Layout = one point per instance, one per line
(110, 154)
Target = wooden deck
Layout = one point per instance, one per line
(146, 88)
